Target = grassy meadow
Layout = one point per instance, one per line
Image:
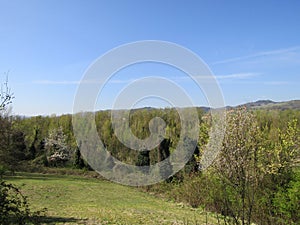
(80, 200)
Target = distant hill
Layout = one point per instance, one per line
(268, 104)
(261, 104)
(265, 104)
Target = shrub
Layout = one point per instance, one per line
(14, 207)
(287, 202)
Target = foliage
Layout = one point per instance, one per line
(287, 201)
(163, 153)
(14, 207)
(286, 149)
(254, 179)
(237, 166)
(252, 168)
(12, 146)
(245, 184)
(143, 161)
(5, 134)
(78, 162)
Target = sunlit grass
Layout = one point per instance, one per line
(78, 200)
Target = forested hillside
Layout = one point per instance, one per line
(255, 178)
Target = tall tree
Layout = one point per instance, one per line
(32, 148)
(143, 160)
(14, 208)
(6, 156)
(163, 154)
(238, 166)
(78, 162)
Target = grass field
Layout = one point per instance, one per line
(79, 200)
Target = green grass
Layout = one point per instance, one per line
(78, 200)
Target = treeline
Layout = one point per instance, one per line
(254, 179)
(49, 140)
(35, 135)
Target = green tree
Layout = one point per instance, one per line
(254, 170)
(281, 176)
(14, 208)
(78, 162)
(32, 148)
(5, 125)
(287, 202)
(143, 160)
(286, 150)
(192, 165)
(163, 154)
(5, 135)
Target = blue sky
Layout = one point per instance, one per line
(252, 47)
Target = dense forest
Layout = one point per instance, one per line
(255, 178)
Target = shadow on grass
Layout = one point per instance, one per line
(55, 220)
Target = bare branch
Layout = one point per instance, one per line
(6, 96)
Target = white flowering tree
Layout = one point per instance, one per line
(58, 152)
(238, 167)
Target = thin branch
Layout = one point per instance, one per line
(6, 96)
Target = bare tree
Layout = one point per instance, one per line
(6, 96)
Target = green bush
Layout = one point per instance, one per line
(14, 208)
(3, 171)
(287, 202)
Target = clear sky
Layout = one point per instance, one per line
(252, 47)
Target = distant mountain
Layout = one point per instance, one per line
(268, 104)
